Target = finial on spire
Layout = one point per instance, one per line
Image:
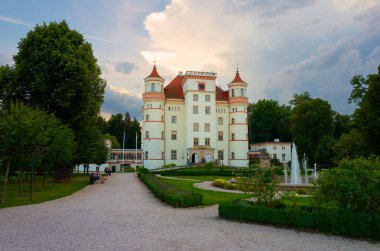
(237, 67)
(154, 60)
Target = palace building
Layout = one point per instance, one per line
(191, 119)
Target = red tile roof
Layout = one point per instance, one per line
(221, 95)
(174, 88)
(154, 73)
(237, 78)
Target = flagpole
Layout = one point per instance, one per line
(123, 152)
(136, 153)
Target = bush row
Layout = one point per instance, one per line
(337, 221)
(225, 184)
(169, 193)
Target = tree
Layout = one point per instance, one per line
(298, 98)
(342, 124)
(119, 124)
(114, 143)
(309, 122)
(268, 120)
(351, 145)
(324, 153)
(55, 71)
(366, 93)
(25, 132)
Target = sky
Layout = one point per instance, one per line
(281, 47)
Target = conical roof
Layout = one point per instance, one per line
(154, 73)
(237, 78)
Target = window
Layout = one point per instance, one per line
(195, 127)
(242, 92)
(233, 121)
(220, 154)
(274, 148)
(208, 110)
(153, 87)
(173, 154)
(233, 93)
(246, 136)
(162, 155)
(147, 134)
(274, 156)
(174, 119)
(147, 117)
(283, 157)
(146, 155)
(220, 136)
(162, 135)
(220, 121)
(174, 135)
(232, 155)
(232, 136)
(207, 141)
(207, 97)
(195, 97)
(207, 127)
(283, 148)
(162, 118)
(196, 141)
(195, 109)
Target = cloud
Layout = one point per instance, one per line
(15, 21)
(120, 101)
(125, 67)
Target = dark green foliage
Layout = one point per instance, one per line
(328, 220)
(366, 93)
(118, 124)
(268, 120)
(351, 145)
(169, 193)
(309, 122)
(354, 184)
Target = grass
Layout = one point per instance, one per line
(209, 197)
(40, 194)
(297, 201)
(203, 178)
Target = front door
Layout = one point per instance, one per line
(195, 158)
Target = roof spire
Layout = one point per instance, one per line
(237, 67)
(154, 73)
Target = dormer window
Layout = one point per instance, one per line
(201, 87)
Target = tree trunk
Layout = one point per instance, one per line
(20, 174)
(6, 181)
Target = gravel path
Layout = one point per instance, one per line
(122, 214)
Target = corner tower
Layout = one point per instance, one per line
(153, 126)
(238, 138)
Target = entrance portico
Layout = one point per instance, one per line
(200, 154)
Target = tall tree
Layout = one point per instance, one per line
(366, 93)
(55, 70)
(309, 122)
(268, 120)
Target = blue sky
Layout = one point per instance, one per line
(282, 46)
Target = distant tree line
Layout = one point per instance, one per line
(323, 134)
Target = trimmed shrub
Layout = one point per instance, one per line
(169, 193)
(339, 221)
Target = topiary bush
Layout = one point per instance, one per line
(339, 221)
(169, 193)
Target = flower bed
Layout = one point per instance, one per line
(169, 193)
(339, 221)
(225, 184)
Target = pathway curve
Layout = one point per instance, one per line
(122, 214)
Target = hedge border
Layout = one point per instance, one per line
(169, 193)
(338, 221)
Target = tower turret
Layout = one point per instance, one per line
(238, 102)
(153, 126)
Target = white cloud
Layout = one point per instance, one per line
(15, 21)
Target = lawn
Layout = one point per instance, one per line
(40, 194)
(209, 197)
(203, 178)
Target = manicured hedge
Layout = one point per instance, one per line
(195, 173)
(169, 193)
(337, 221)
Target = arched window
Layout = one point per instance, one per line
(242, 92)
(162, 118)
(147, 134)
(153, 87)
(162, 135)
(232, 155)
(146, 155)
(147, 117)
(232, 136)
(233, 93)
(233, 121)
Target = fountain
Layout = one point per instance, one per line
(304, 164)
(295, 176)
(315, 175)
(286, 173)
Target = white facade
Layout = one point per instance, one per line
(193, 120)
(276, 150)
